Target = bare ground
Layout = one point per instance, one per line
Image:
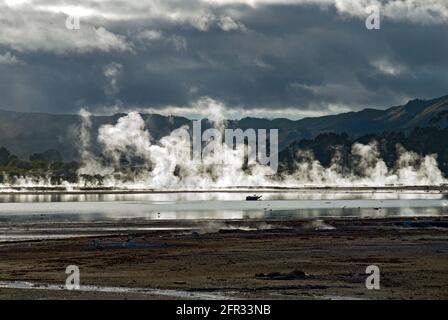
(412, 255)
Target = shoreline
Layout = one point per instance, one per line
(243, 189)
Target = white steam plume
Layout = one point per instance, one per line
(167, 163)
(131, 158)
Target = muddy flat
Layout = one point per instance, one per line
(231, 259)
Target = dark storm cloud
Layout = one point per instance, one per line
(308, 59)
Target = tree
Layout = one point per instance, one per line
(47, 156)
(5, 156)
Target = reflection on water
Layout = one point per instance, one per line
(218, 209)
(31, 227)
(31, 217)
(202, 196)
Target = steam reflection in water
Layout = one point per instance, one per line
(215, 209)
(202, 196)
(34, 217)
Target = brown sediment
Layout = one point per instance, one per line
(412, 254)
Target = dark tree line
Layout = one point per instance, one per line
(326, 146)
(46, 164)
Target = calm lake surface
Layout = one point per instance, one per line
(58, 216)
(275, 205)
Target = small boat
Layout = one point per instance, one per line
(253, 198)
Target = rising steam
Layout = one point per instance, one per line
(167, 163)
(368, 170)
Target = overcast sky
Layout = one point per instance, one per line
(261, 58)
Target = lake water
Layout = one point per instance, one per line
(47, 216)
(223, 205)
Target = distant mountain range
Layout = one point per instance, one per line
(27, 133)
(415, 113)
